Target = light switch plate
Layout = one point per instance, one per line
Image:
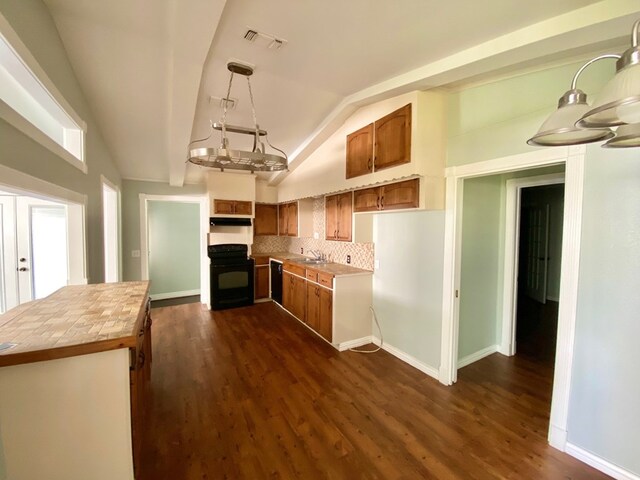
(135, 253)
(316, 235)
(377, 264)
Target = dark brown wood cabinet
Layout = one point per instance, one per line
(360, 152)
(383, 144)
(266, 221)
(261, 282)
(393, 139)
(232, 207)
(393, 196)
(139, 378)
(338, 216)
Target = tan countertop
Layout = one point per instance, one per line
(75, 320)
(335, 269)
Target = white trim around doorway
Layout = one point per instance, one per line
(511, 235)
(203, 201)
(573, 158)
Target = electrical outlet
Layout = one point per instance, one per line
(301, 251)
(348, 258)
(135, 253)
(316, 235)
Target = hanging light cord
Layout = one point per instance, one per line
(224, 114)
(375, 317)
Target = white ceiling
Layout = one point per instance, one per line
(146, 73)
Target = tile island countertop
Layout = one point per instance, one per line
(74, 320)
(335, 269)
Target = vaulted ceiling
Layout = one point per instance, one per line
(149, 68)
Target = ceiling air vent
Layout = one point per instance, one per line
(265, 39)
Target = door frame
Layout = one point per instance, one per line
(511, 248)
(201, 200)
(573, 159)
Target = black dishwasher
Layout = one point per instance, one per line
(276, 282)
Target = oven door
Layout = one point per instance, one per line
(231, 285)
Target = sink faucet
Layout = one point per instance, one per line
(316, 254)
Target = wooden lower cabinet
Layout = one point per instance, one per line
(294, 296)
(325, 326)
(139, 377)
(261, 282)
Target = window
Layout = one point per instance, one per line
(29, 99)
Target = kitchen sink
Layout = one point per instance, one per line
(313, 261)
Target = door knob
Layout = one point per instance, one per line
(23, 259)
(23, 269)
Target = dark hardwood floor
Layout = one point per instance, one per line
(250, 393)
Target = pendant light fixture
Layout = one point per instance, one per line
(574, 122)
(224, 157)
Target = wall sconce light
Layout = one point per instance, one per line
(618, 105)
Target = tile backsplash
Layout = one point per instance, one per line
(362, 254)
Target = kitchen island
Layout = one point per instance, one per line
(72, 379)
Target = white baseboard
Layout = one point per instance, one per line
(553, 299)
(164, 296)
(358, 342)
(600, 463)
(405, 357)
(474, 357)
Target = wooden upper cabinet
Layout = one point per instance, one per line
(393, 139)
(223, 207)
(366, 200)
(243, 208)
(393, 196)
(266, 222)
(232, 207)
(292, 220)
(338, 216)
(400, 195)
(360, 152)
(282, 219)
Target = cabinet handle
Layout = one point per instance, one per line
(141, 357)
(369, 164)
(378, 203)
(382, 202)
(335, 234)
(141, 332)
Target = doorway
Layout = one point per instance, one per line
(538, 278)
(110, 202)
(34, 252)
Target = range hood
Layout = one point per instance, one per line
(229, 222)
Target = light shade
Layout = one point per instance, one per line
(627, 136)
(559, 129)
(618, 103)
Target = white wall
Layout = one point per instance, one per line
(407, 287)
(67, 419)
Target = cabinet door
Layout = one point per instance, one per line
(400, 195)
(360, 152)
(393, 139)
(313, 306)
(331, 217)
(261, 282)
(287, 291)
(326, 313)
(344, 215)
(283, 219)
(299, 306)
(266, 222)
(292, 220)
(223, 207)
(366, 200)
(243, 208)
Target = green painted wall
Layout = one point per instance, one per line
(33, 23)
(131, 190)
(407, 286)
(605, 392)
(174, 246)
(496, 119)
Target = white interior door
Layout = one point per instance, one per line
(41, 247)
(8, 261)
(537, 253)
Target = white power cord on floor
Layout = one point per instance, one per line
(375, 317)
